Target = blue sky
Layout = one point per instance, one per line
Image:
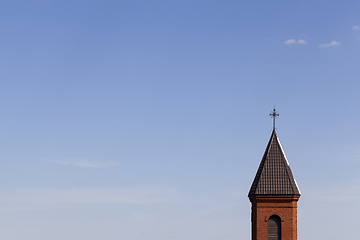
(148, 119)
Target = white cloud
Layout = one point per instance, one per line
(290, 41)
(331, 44)
(84, 163)
(293, 41)
(356, 27)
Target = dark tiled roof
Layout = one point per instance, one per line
(274, 176)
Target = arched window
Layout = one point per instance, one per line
(274, 228)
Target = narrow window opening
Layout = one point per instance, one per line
(274, 228)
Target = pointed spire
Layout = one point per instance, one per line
(274, 176)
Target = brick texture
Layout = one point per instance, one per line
(263, 207)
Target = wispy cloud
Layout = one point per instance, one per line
(43, 199)
(290, 41)
(302, 41)
(356, 27)
(293, 41)
(331, 44)
(85, 163)
(346, 193)
(214, 209)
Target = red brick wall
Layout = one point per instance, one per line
(265, 206)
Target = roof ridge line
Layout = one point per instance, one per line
(288, 169)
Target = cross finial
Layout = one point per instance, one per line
(274, 115)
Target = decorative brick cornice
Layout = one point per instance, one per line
(274, 198)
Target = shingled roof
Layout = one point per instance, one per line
(274, 176)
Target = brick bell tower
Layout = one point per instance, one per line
(274, 195)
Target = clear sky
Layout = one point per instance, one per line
(148, 119)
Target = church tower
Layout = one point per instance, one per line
(274, 195)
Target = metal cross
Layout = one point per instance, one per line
(274, 115)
